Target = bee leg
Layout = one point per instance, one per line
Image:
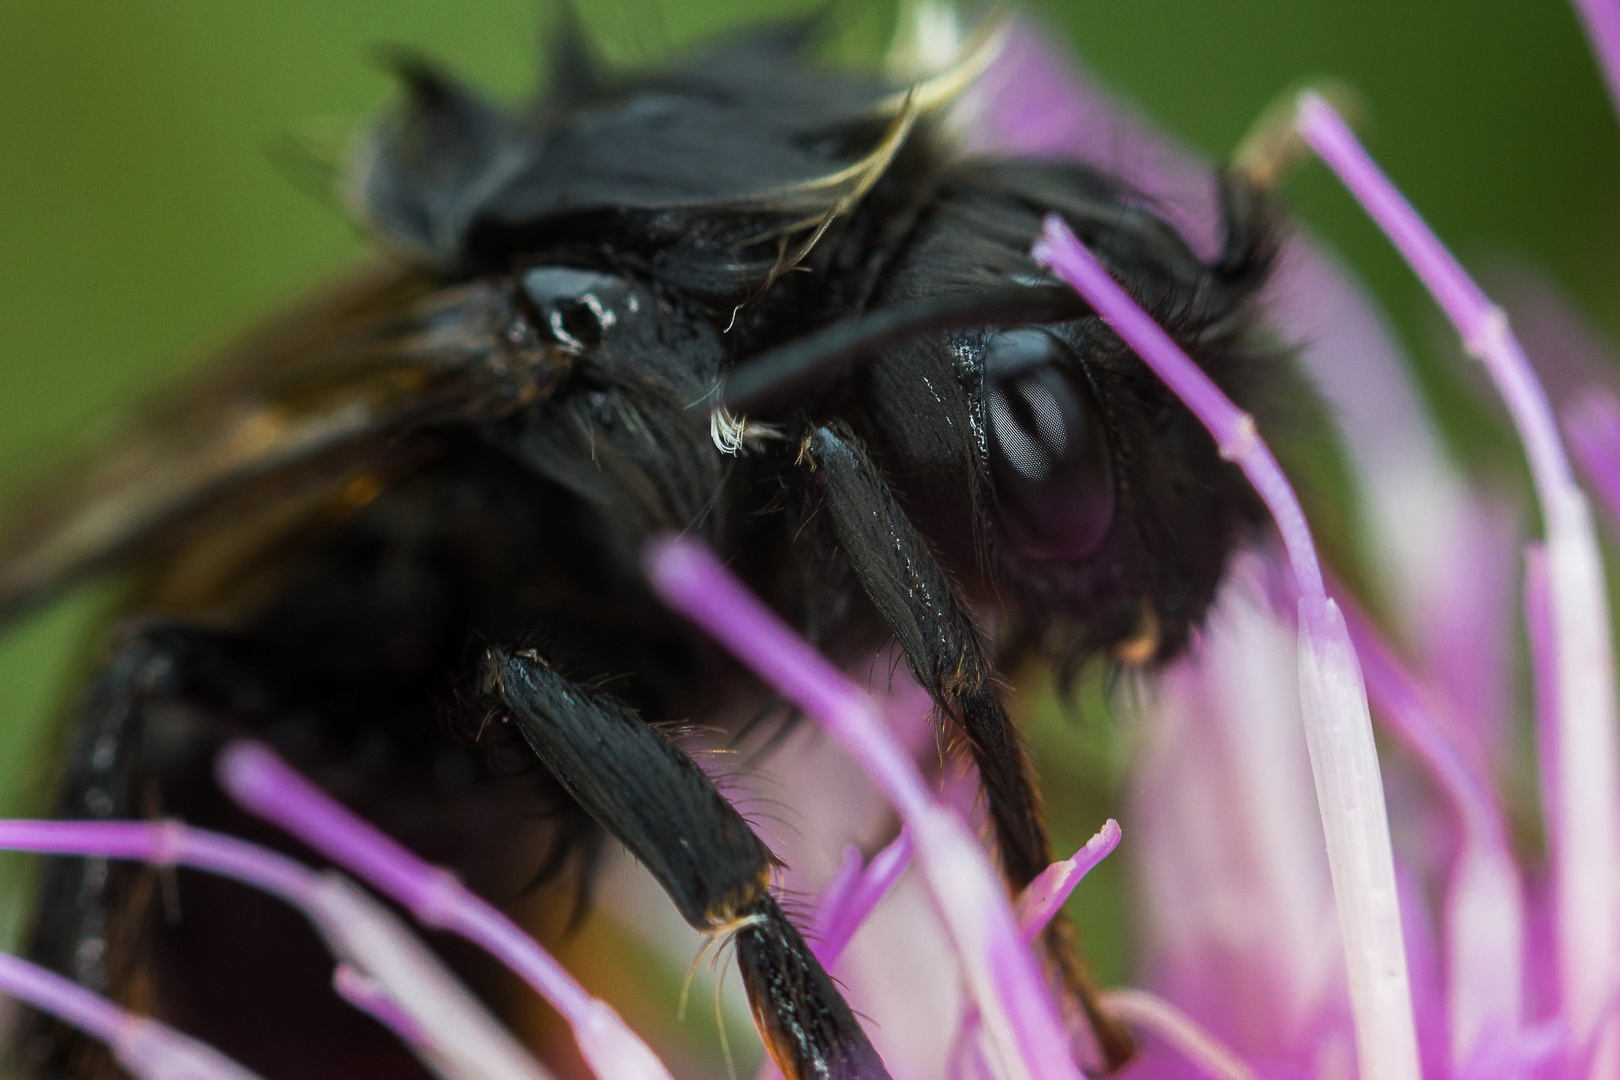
(91, 910)
(661, 806)
(941, 638)
(946, 651)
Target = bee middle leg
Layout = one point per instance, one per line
(661, 806)
(948, 656)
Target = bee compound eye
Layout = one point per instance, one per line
(577, 307)
(1049, 456)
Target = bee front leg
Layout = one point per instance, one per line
(661, 806)
(946, 651)
(943, 643)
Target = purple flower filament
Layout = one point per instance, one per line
(853, 894)
(264, 785)
(1587, 852)
(385, 970)
(148, 1049)
(1044, 897)
(1484, 899)
(1338, 725)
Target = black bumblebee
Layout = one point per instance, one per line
(397, 534)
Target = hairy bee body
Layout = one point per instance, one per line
(399, 537)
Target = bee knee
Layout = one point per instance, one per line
(499, 664)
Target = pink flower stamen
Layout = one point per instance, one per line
(373, 999)
(1587, 860)
(1485, 908)
(1037, 905)
(854, 893)
(1044, 897)
(148, 1049)
(1338, 726)
(410, 989)
(264, 785)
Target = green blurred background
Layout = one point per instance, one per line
(142, 216)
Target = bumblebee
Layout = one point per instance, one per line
(396, 534)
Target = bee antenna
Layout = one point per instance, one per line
(780, 378)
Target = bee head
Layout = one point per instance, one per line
(1058, 479)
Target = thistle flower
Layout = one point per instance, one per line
(1439, 952)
